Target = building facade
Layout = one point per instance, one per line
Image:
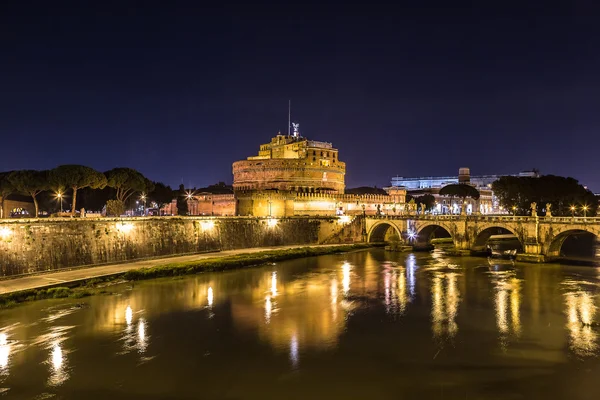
(486, 204)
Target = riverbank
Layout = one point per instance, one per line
(95, 280)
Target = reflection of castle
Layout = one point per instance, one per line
(292, 175)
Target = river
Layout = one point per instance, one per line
(364, 325)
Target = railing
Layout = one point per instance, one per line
(491, 218)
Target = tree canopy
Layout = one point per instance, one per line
(76, 177)
(562, 193)
(126, 181)
(182, 205)
(30, 182)
(6, 188)
(460, 190)
(161, 194)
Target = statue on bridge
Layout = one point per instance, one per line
(534, 209)
(548, 210)
(422, 205)
(412, 207)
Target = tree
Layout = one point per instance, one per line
(126, 181)
(426, 199)
(76, 177)
(115, 208)
(161, 194)
(30, 182)
(460, 190)
(6, 188)
(517, 193)
(182, 206)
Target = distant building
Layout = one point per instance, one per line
(487, 203)
(17, 206)
(441, 181)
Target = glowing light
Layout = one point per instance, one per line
(207, 225)
(580, 318)
(274, 284)
(57, 357)
(4, 350)
(142, 331)
(124, 227)
(210, 296)
(189, 195)
(346, 277)
(272, 222)
(334, 291)
(294, 350)
(344, 219)
(268, 309)
(128, 315)
(411, 234)
(444, 305)
(5, 233)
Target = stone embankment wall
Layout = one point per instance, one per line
(36, 245)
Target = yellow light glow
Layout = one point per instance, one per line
(128, 315)
(4, 350)
(210, 297)
(207, 225)
(57, 357)
(272, 222)
(274, 284)
(346, 277)
(5, 233)
(268, 309)
(344, 219)
(124, 227)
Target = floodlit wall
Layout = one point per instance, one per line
(36, 245)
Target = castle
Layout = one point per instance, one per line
(293, 176)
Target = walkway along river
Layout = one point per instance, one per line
(361, 325)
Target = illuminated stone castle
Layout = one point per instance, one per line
(291, 163)
(293, 175)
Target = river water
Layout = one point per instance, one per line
(364, 325)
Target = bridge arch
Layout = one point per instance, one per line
(555, 247)
(425, 233)
(483, 236)
(381, 230)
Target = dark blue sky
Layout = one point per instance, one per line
(179, 90)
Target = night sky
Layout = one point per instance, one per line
(180, 90)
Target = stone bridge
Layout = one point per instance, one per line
(541, 237)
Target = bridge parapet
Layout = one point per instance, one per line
(541, 237)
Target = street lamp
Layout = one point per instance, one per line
(514, 208)
(189, 196)
(573, 211)
(585, 208)
(59, 195)
(364, 228)
(143, 198)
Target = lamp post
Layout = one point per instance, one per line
(572, 211)
(364, 227)
(143, 198)
(189, 199)
(585, 208)
(514, 208)
(59, 195)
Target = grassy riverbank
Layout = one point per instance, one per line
(94, 286)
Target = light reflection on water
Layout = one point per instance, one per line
(581, 312)
(301, 311)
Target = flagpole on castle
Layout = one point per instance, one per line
(289, 115)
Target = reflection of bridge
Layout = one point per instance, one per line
(541, 237)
